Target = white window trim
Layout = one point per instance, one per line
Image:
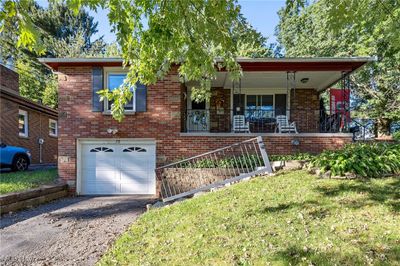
(26, 123)
(116, 70)
(56, 122)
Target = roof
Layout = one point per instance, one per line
(15, 97)
(323, 72)
(248, 64)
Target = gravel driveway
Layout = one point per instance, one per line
(70, 231)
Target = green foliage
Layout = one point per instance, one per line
(396, 135)
(290, 157)
(19, 181)
(366, 160)
(352, 28)
(242, 161)
(154, 36)
(58, 31)
(119, 98)
(245, 161)
(288, 219)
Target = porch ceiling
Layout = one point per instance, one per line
(319, 80)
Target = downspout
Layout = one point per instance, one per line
(40, 139)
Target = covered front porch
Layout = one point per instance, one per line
(270, 92)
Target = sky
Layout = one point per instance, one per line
(262, 14)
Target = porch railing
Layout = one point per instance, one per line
(214, 168)
(264, 121)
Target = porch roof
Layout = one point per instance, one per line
(321, 72)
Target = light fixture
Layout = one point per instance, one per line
(295, 142)
(112, 130)
(304, 80)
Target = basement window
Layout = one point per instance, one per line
(23, 123)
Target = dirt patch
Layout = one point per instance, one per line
(71, 231)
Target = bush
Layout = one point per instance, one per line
(290, 157)
(396, 135)
(244, 161)
(366, 160)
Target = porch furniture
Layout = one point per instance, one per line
(284, 126)
(263, 125)
(240, 125)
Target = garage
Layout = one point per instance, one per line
(116, 167)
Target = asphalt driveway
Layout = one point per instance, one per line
(70, 231)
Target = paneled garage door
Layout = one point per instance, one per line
(117, 167)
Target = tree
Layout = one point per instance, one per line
(62, 34)
(154, 35)
(352, 28)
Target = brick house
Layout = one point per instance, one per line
(24, 122)
(98, 155)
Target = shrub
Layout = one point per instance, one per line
(244, 161)
(396, 135)
(362, 159)
(290, 157)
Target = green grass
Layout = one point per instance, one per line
(19, 181)
(292, 218)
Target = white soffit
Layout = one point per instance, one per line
(316, 79)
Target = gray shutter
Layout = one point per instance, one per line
(141, 98)
(97, 85)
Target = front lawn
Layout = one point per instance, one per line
(292, 218)
(19, 181)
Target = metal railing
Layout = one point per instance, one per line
(264, 121)
(214, 168)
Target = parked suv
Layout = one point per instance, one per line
(16, 158)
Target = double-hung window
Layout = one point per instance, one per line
(113, 81)
(23, 123)
(53, 131)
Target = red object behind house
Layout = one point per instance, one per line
(340, 104)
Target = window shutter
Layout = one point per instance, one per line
(141, 97)
(97, 85)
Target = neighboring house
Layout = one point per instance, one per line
(24, 122)
(98, 155)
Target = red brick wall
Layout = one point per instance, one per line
(162, 121)
(304, 106)
(38, 127)
(220, 110)
(276, 144)
(9, 78)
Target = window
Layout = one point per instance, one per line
(98, 149)
(132, 149)
(53, 131)
(259, 106)
(114, 81)
(260, 102)
(23, 123)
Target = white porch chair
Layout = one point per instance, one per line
(240, 124)
(284, 126)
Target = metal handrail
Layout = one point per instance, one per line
(213, 168)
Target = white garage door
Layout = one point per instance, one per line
(116, 167)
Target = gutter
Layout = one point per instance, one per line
(14, 97)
